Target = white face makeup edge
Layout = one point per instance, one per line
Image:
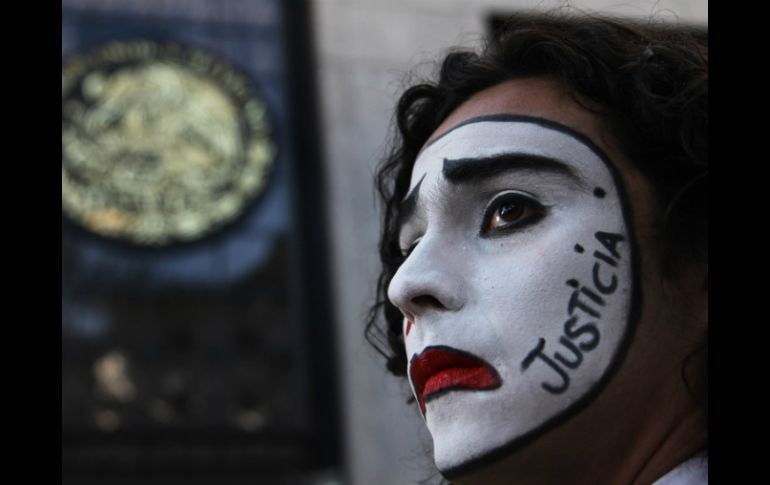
(524, 235)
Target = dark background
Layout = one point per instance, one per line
(224, 344)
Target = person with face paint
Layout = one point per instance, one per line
(544, 250)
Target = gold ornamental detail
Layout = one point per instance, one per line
(160, 143)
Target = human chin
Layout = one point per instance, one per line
(553, 329)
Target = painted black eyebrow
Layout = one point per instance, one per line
(409, 204)
(470, 170)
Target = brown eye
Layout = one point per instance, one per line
(511, 211)
(508, 213)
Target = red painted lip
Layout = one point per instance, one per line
(440, 368)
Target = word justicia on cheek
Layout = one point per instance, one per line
(580, 332)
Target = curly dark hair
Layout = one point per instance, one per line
(651, 87)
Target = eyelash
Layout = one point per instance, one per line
(533, 211)
(406, 252)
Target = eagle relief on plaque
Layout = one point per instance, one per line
(161, 143)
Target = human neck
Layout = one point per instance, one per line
(660, 443)
(684, 441)
(681, 443)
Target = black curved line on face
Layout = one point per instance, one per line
(633, 315)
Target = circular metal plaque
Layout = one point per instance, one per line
(161, 143)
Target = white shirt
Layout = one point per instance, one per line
(694, 471)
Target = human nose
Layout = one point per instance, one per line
(429, 280)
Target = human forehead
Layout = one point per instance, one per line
(515, 143)
(539, 97)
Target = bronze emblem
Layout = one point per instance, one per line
(161, 143)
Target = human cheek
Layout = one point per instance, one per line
(583, 292)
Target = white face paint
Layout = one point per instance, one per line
(519, 289)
